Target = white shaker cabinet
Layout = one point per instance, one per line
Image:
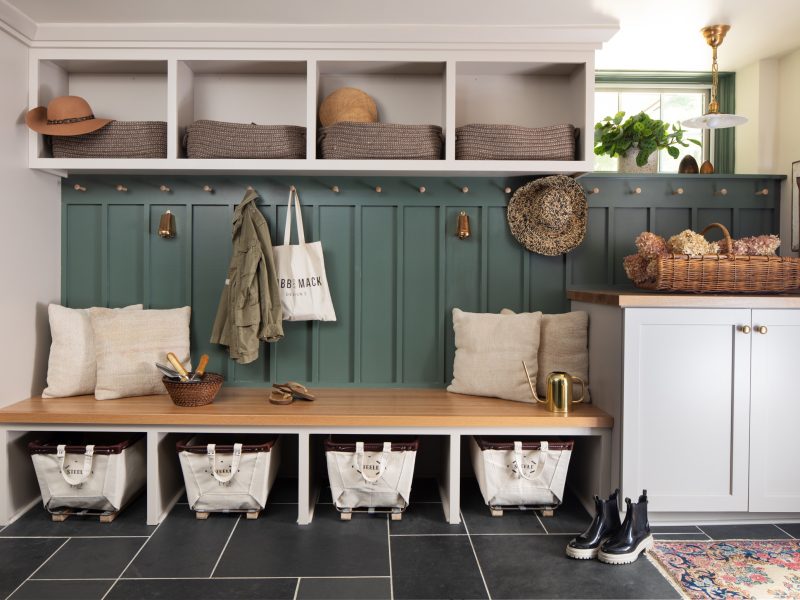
(775, 411)
(686, 403)
(705, 393)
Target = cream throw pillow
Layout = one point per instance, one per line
(71, 369)
(129, 343)
(490, 349)
(563, 346)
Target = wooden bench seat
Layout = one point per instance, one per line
(358, 411)
(353, 407)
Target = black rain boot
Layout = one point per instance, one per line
(605, 524)
(633, 537)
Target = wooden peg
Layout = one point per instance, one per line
(465, 190)
(250, 188)
(292, 188)
(335, 189)
(678, 192)
(637, 190)
(594, 190)
(120, 188)
(762, 192)
(78, 188)
(422, 189)
(378, 189)
(507, 190)
(165, 189)
(208, 188)
(722, 192)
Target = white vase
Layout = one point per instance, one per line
(627, 163)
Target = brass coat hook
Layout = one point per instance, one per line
(463, 230)
(166, 225)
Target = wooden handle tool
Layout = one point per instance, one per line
(173, 360)
(201, 368)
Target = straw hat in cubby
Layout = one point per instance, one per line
(348, 104)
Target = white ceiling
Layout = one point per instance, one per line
(654, 34)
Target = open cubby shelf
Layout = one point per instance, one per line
(448, 89)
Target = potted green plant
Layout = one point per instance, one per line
(637, 137)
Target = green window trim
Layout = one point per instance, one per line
(724, 139)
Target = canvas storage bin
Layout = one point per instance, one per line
(512, 142)
(230, 472)
(521, 472)
(118, 139)
(366, 474)
(380, 141)
(218, 139)
(93, 472)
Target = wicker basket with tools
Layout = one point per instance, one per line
(721, 273)
(197, 388)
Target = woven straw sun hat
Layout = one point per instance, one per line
(548, 215)
(348, 104)
(65, 115)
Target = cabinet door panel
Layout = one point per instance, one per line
(775, 412)
(686, 395)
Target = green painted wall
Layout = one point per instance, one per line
(394, 265)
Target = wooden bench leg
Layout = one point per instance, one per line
(397, 516)
(61, 517)
(108, 518)
(496, 512)
(546, 512)
(201, 516)
(253, 514)
(346, 516)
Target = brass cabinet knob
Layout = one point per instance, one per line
(762, 329)
(745, 329)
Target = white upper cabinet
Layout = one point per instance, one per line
(448, 85)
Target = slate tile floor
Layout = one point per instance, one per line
(227, 557)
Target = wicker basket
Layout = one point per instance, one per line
(217, 139)
(388, 141)
(194, 393)
(118, 139)
(714, 273)
(510, 142)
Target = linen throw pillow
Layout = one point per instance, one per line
(129, 343)
(71, 368)
(563, 346)
(490, 349)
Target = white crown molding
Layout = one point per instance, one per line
(244, 35)
(17, 24)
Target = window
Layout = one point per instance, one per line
(672, 105)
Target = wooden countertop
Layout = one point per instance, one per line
(340, 407)
(645, 299)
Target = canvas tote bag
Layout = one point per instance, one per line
(102, 478)
(521, 473)
(363, 476)
(302, 283)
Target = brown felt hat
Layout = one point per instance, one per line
(65, 115)
(548, 215)
(348, 104)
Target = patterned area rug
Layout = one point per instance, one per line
(731, 569)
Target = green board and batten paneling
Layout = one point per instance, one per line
(394, 265)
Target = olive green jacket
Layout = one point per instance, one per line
(250, 308)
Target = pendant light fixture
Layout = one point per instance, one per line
(714, 119)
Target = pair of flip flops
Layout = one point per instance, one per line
(286, 393)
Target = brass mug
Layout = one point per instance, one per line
(559, 391)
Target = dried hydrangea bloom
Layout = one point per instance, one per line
(692, 244)
(651, 245)
(759, 245)
(652, 269)
(636, 268)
